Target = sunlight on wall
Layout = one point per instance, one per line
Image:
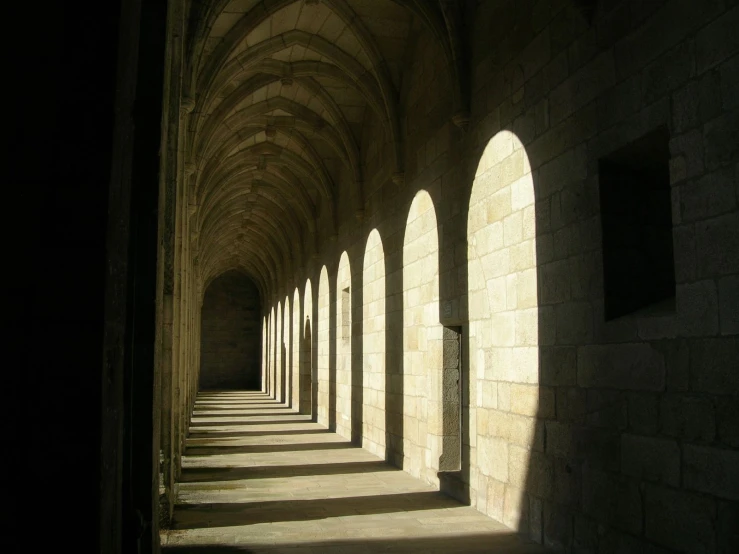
(271, 353)
(322, 328)
(287, 351)
(279, 341)
(343, 337)
(264, 354)
(296, 340)
(373, 351)
(422, 342)
(306, 367)
(503, 335)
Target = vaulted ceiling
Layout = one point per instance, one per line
(279, 95)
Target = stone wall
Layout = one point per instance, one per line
(323, 331)
(422, 343)
(373, 347)
(231, 334)
(343, 340)
(584, 433)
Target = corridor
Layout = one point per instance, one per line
(258, 477)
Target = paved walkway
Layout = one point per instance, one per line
(257, 477)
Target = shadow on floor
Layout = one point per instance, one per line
(214, 434)
(264, 448)
(195, 425)
(498, 543)
(233, 407)
(208, 474)
(227, 514)
(246, 412)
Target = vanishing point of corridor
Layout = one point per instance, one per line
(259, 477)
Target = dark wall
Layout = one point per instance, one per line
(231, 334)
(60, 141)
(63, 139)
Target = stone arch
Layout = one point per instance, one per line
(422, 342)
(279, 341)
(343, 338)
(264, 354)
(271, 357)
(230, 337)
(503, 325)
(373, 350)
(287, 352)
(297, 340)
(322, 328)
(307, 376)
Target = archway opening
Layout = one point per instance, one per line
(422, 343)
(373, 351)
(503, 336)
(231, 337)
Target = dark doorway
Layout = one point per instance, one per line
(231, 334)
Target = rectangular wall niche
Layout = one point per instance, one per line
(346, 331)
(636, 217)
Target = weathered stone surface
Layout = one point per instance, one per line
(347, 159)
(651, 459)
(624, 366)
(688, 417)
(679, 520)
(611, 501)
(711, 470)
(714, 363)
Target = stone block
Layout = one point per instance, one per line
(558, 365)
(643, 409)
(524, 399)
(574, 323)
(727, 418)
(582, 87)
(585, 539)
(623, 366)
(728, 302)
(730, 83)
(492, 457)
(515, 508)
(495, 499)
(708, 196)
(720, 139)
(688, 417)
(559, 440)
(668, 72)
(698, 101)
(727, 531)
(558, 526)
(611, 501)
(714, 364)
(688, 148)
(659, 33)
(711, 470)
(606, 409)
(677, 362)
(650, 459)
(571, 404)
(679, 520)
(598, 448)
(567, 482)
(554, 282)
(717, 41)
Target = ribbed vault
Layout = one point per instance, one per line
(278, 98)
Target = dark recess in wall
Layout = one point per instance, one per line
(636, 215)
(231, 334)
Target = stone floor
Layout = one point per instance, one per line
(257, 477)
